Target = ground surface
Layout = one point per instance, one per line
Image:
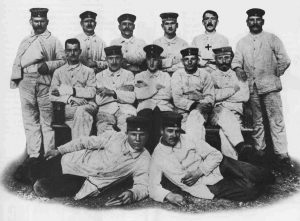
(287, 184)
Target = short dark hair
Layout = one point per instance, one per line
(72, 41)
(210, 12)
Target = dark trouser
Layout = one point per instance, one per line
(155, 125)
(49, 181)
(242, 181)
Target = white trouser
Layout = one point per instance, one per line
(37, 114)
(230, 130)
(193, 124)
(273, 107)
(106, 121)
(80, 119)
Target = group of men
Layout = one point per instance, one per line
(175, 89)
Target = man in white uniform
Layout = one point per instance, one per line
(75, 85)
(200, 170)
(171, 43)
(209, 40)
(84, 166)
(261, 57)
(92, 46)
(153, 92)
(230, 94)
(132, 47)
(115, 93)
(38, 56)
(192, 88)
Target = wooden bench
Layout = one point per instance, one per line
(63, 131)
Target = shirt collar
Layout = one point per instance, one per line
(125, 40)
(171, 41)
(169, 149)
(152, 75)
(197, 73)
(46, 34)
(73, 67)
(116, 73)
(256, 35)
(210, 33)
(86, 37)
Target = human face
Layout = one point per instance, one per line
(169, 27)
(255, 24)
(72, 53)
(137, 139)
(210, 22)
(88, 25)
(223, 61)
(190, 63)
(126, 27)
(170, 136)
(39, 25)
(152, 64)
(114, 62)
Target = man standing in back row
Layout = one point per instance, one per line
(171, 44)
(92, 46)
(132, 47)
(38, 56)
(210, 39)
(260, 56)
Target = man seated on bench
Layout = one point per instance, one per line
(83, 167)
(192, 89)
(115, 93)
(199, 169)
(230, 93)
(75, 85)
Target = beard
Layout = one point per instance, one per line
(224, 67)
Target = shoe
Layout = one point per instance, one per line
(22, 172)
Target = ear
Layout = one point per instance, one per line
(133, 27)
(81, 23)
(47, 22)
(120, 27)
(161, 132)
(162, 25)
(30, 21)
(80, 50)
(263, 22)
(95, 23)
(177, 25)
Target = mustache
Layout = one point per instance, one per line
(209, 24)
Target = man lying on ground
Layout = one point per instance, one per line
(84, 166)
(199, 169)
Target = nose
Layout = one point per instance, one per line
(138, 137)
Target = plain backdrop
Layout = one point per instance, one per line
(282, 18)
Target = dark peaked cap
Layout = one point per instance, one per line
(137, 123)
(153, 51)
(172, 119)
(39, 12)
(255, 12)
(88, 14)
(189, 51)
(113, 50)
(169, 15)
(222, 50)
(126, 16)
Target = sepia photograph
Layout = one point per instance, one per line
(150, 110)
